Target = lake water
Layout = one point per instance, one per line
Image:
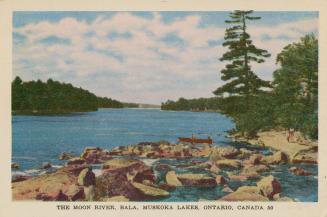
(38, 139)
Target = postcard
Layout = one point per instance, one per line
(160, 108)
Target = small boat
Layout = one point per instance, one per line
(193, 139)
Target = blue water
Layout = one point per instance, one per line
(38, 139)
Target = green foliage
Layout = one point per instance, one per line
(53, 97)
(296, 86)
(241, 80)
(104, 102)
(202, 104)
(259, 115)
(130, 105)
(292, 103)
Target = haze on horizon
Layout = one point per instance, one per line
(143, 57)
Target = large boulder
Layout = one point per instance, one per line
(277, 158)
(172, 179)
(197, 180)
(136, 170)
(86, 177)
(299, 171)
(149, 192)
(111, 185)
(48, 186)
(269, 186)
(245, 193)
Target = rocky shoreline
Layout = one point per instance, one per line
(144, 172)
(298, 149)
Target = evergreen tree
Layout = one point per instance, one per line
(242, 80)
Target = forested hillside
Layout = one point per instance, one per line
(53, 97)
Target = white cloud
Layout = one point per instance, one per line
(142, 67)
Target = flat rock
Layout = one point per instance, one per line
(310, 158)
(243, 196)
(259, 168)
(121, 164)
(228, 163)
(243, 176)
(150, 192)
(249, 189)
(117, 199)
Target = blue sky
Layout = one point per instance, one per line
(146, 57)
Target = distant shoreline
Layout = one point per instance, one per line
(49, 113)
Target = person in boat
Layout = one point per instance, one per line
(290, 137)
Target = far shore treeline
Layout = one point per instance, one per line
(289, 101)
(53, 97)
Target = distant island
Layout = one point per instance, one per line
(54, 97)
(197, 105)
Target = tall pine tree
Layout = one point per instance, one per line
(241, 80)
